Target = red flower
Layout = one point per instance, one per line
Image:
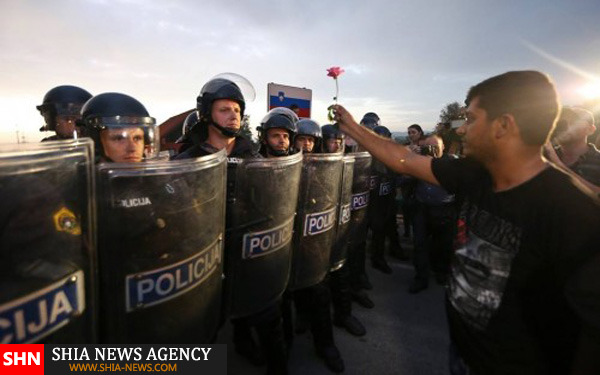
(334, 72)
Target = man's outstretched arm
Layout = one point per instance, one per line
(398, 158)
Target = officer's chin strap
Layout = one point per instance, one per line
(226, 132)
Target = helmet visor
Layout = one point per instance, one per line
(128, 139)
(245, 86)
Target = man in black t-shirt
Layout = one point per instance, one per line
(524, 289)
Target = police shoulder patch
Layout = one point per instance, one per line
(66, 221)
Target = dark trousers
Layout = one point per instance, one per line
(341, 296)
(269, 327)
(356, 262)
(434, 229)
(391, 227)
(316, 301)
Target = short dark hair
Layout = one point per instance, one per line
(528, 95)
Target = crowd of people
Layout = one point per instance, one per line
(502, 211)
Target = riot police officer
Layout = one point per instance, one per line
(61, 108)
(308, 136)
(314, 302)
(358, 275)
(121, 128)
(276, 132)
(220, 108)
(147, 230)
(221, 105)
(333, 141)
(383, 213)
(370, 120)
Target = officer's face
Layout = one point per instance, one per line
(334, 145)
(306, 143)
(226, 113)
(125, 145)
(278, 139)
(65, 125)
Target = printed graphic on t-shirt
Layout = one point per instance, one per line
(486, 247)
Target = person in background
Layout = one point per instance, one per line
(434, 225)
(575, 153)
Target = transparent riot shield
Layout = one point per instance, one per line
(160, 245)
(361, 184)
(260, 238)
(342, 230)
(315, 222)
(46, 243)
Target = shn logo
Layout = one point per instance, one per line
(21, 358)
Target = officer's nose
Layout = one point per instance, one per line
(130, 144)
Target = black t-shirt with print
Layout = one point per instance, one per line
(516, 252)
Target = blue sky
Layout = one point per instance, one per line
(403, 59)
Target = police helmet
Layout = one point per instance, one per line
(382, 131)
(223, 86)
(62, 101)
(280, 117)
(370, 120)
(311, 128)
(189, 122)
(277, 118)
(118, 111)
(330, 131)
(308, 127)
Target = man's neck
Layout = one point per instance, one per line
(218, 141)
(572, 152)
(510, 170)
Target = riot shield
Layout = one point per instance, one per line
(342, 232)
(361, 184)
(160, 246)
(46, 243)
(315, 221)
(382, 195)
(259, 239)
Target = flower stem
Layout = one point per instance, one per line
(337, 91)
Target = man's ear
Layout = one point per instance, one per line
(591, 129)
(505, 125)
